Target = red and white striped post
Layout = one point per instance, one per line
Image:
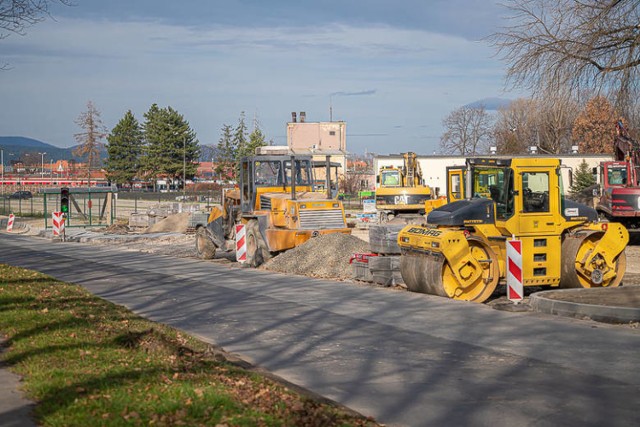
(57, 219)
(10, 222)
(241, 243)
(515, 289)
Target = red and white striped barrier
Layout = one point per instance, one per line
(10, 222)
(515, 290)
(241, 244)
(57, 219)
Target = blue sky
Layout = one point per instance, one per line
(391, 70)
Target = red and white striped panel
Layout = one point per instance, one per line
(57, 218)
(10, 222)
(241, 243)
(515, 290)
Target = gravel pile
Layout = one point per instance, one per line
(324, 256)
(176, 223)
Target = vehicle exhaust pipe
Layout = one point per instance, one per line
(328, 177)
(293, 177)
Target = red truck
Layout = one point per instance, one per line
(619, 189)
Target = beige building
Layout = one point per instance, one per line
(318, 139)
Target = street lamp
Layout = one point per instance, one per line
(184, 168)
(42, 169)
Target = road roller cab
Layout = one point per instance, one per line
(461, 253)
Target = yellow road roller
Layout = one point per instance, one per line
(461, 252)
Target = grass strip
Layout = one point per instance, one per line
(86, 361)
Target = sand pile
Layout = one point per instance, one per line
(176, 223)
(324, 256)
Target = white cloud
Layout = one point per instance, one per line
(211, 74)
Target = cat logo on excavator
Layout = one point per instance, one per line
(461, 252)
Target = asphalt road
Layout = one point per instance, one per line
(406, 359)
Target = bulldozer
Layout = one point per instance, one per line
(278, 203)
(461, 251)
(401, 191)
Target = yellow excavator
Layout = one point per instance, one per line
(278, 203)
(401, 190)
(461, 252)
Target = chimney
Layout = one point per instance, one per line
(303, 116)
(293, 117)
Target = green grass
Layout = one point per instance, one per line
(86, 362)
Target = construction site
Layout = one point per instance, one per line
(444, 244)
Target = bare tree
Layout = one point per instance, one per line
(579, 44)
(468, 131)
(515, 127)
(17, 15)
(90, 140)
(557, 112)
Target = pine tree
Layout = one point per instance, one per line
(240, 139)
(172, 148)
(124, 149)
(582, 178)
(226, 154)
(256, 139)
(90, 141)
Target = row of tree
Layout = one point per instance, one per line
(554, 124)
(164, 146)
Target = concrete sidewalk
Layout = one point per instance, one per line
(15, 409)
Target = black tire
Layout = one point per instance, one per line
(205, 249)
(257, 250)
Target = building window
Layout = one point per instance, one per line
(332, 132)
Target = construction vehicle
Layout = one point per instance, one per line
(461, 252)
(277, 204)
(401, 190)
(619, 195)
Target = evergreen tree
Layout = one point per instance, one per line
(124, 149)
(172, 148)
(240, 139)
(226, 154)
(582, 178)
(256, 139)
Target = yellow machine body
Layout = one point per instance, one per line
(401, 190)
(461, 252)
(278, 204)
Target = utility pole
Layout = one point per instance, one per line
(184, 168)
(42, 166)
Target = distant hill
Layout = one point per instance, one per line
(17, 147)
(490, 104)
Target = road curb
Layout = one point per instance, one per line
(544, 302)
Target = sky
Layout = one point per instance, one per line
(391, 70)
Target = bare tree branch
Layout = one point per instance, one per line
(579, 44)
(468, 131)
(17, 15)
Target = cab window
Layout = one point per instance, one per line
(535, 192)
